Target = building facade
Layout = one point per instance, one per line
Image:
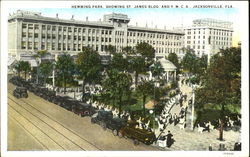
(30, 31)
(208, 36)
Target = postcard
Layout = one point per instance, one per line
(124, 78)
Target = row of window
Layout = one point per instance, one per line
(154, 35)
(69, 29)
(60, 46)
(97, 31)
(203, 46)
(211, 32)
(167, 50)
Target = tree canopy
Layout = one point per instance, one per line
(65, 68)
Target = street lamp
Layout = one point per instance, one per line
(192, 112)
(151, 112)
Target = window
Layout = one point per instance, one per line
(29, 45)
(24, 25)
(30, 26)
(36, 26)
(69, 29)
(36, 35)
(30, 35)
(23, 34)
(24, 45)
(36, 45)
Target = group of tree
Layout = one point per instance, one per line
(221, 88)
(196, 66)
(22, 66)
(116, 77)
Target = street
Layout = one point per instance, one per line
(36, 124)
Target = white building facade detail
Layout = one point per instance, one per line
(30, 32)
(208, 36)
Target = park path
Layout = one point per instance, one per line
(192, 140)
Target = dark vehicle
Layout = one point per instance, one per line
(106, 120)
(137, 134)
(20, 92)
(42, 92)
(82, 109)
(101, 117)
(51, 96)
(66, 102)
(58, 100)
(116, 124)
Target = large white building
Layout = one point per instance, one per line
(30, 31)
(208, 36)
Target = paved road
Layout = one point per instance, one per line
(46, 126)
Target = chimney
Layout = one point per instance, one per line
(87, 19)
(136, 24)
(72, 18)
(146, 25)
(56, 15)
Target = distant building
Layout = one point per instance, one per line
(208, 36)
(30, 31)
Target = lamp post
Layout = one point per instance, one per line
(53, 77)
(151, 112)
(192, 111)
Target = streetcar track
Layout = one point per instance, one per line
(55, 122)
(36, 126)
(49, 126)
(14, 119)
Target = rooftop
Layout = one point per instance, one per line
(37, 16)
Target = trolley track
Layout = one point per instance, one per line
(55, 125)
(28, 131)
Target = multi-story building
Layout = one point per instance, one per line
(30, 31)
(208, 36)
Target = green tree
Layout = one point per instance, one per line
(156, 70)
(117, 85)
(119, 62)
(137, 65)
(172, 57)
(189, 62)
(65, 68)
(23, 66)
(89, 67)
(18, 68)
(38, 57)
(111, 49)
(222, 84)
(145, 89)
(141, 60)
(128, 50)
(146, 51)
(46, 69)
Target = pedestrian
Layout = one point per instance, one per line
(169, 139)
(175, 119)
(210, 147)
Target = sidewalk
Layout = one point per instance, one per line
(192, 140)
